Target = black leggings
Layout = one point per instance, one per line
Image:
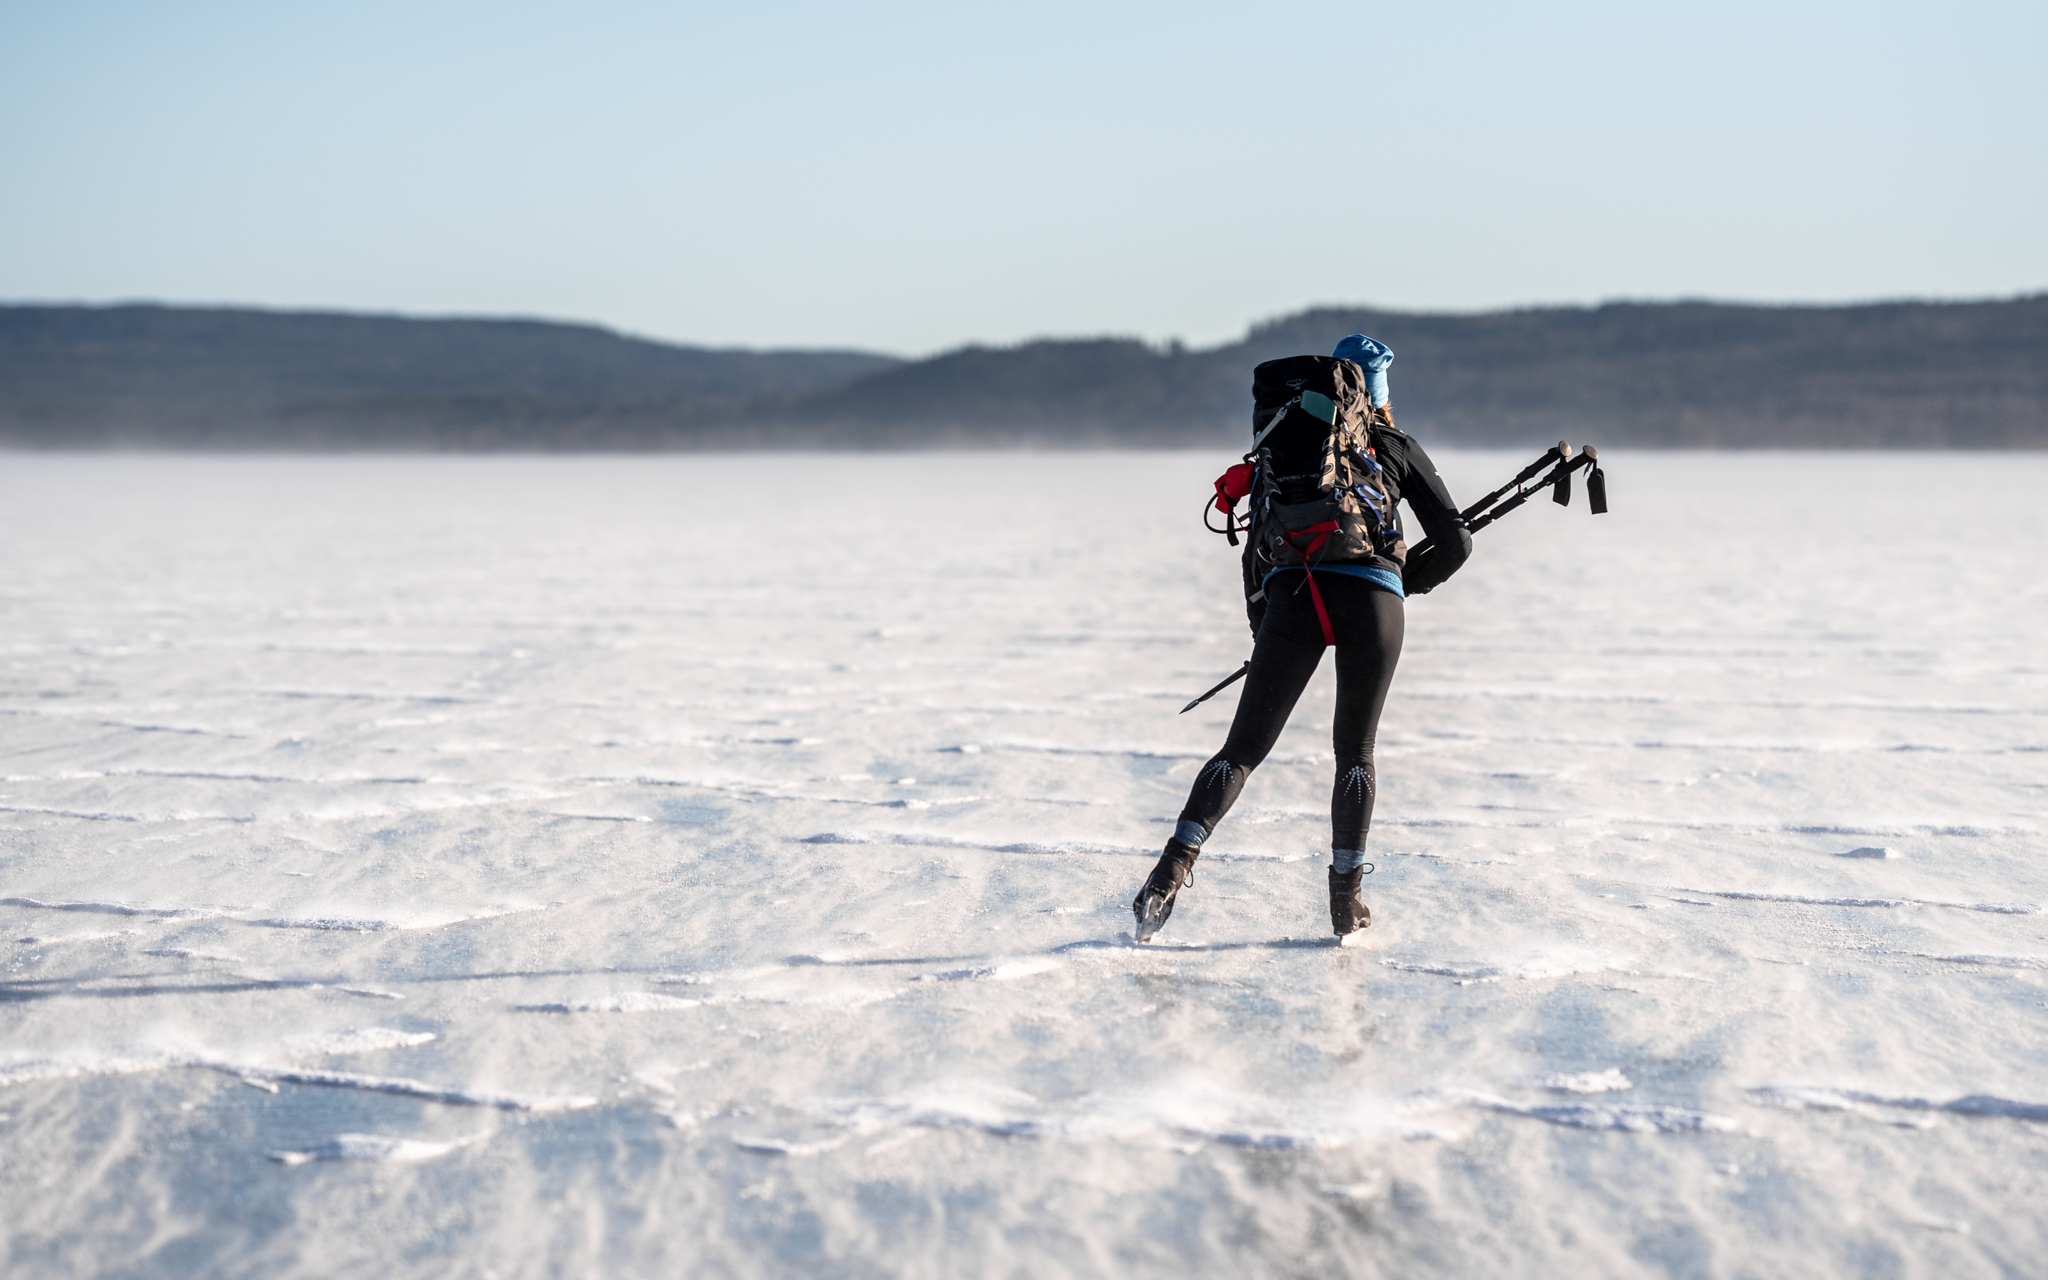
(1368, 624)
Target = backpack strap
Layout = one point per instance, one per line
(1322, 534)
(1273, 422)
(1322, 614)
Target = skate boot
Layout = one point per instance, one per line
(1348, 912)
(1155, 901)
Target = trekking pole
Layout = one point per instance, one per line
(1484, 512)
(1560, 477)
(1558, 452)
(1225, 683)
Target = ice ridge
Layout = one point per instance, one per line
(629, 1002)
(383, 921)
(1653, 1118)
(1817, 900)
(120, 909)
(1609, 1081)
(1562, 963)
(999, 972)
(1194, 1110)
(1994, 961)
(135, 1060)
(1033, 847)
(417, 1089)
(1810, 1098)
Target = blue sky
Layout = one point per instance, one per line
(909, 177)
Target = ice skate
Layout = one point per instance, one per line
(1154, 902)
(1348, 912)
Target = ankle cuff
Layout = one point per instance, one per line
(1190, 833)
(1346, 861)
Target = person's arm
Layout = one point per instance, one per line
(1450, 545)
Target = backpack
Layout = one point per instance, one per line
(1318, 492)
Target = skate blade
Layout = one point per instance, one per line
(1151, 914)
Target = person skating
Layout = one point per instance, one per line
(1326, 566)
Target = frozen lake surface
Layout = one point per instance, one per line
(720, 866)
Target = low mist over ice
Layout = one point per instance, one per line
(721, 865)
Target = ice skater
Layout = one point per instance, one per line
(1326, 565)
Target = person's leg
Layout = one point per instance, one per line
(1367, 650)
(1282, 662)
(1289, 646)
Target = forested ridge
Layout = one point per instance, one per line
(1685, 374)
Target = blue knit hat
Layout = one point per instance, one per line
(1371, 355)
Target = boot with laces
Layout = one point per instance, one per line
(1348, 912)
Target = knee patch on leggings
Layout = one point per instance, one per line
(1215, 790)
(1356, 784)
(1351, 800)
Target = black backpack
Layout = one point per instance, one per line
(1318, 493)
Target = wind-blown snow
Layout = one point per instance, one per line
(664, 866)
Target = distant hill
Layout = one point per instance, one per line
(1960, 375)
(1956, 375)
(191, 377)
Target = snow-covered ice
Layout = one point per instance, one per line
(720, 865)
